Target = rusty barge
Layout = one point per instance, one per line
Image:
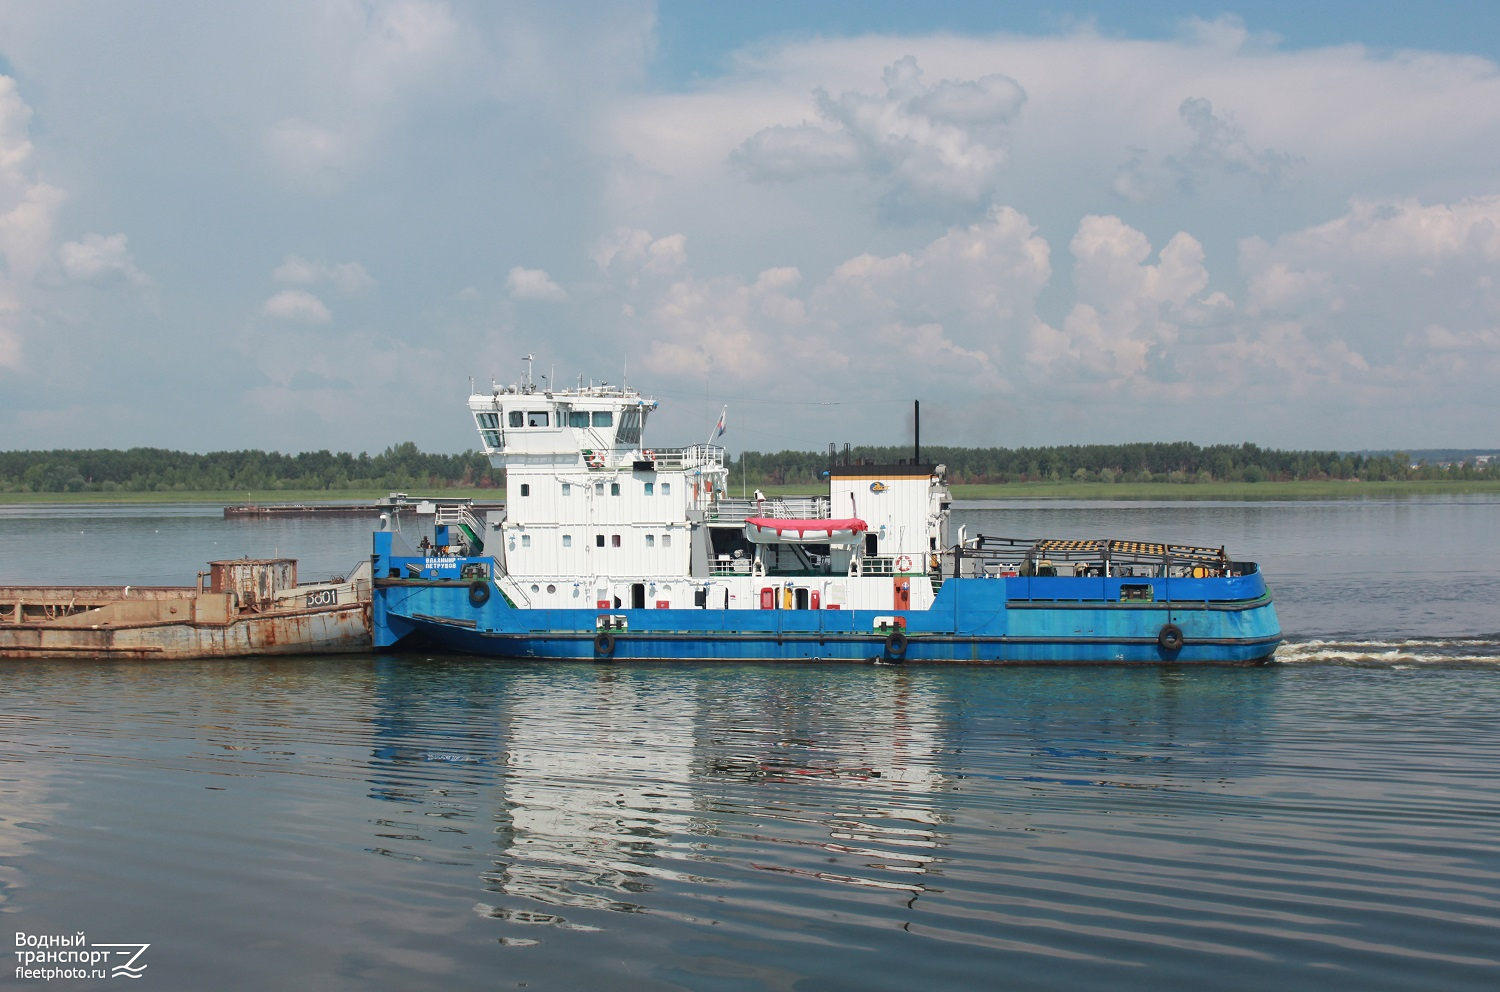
(238, 608)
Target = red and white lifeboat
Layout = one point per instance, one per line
(769, 530)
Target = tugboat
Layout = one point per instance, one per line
(610, 550)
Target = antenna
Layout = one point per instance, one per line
(625, 372)
(528, 360)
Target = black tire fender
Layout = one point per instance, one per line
(895, 643)
(1169, 638)
(604, 644)
(479, 593)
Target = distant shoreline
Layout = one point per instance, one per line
(1143, 491)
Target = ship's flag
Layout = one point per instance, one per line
(720, 428)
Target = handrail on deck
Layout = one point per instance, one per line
(736, 509)
(985, 552)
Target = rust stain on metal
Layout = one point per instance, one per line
(248, 607)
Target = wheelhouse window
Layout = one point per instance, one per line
(536, 418)
(630, 426)
(578, 418)
(604, 418)
(489, 428)
(517, 418)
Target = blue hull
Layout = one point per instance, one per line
(975, 621)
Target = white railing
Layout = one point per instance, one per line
(694, 456)
(779, 508)
(455, 514)
(514, 591)
(731, 566)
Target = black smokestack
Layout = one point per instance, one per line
(916, 458)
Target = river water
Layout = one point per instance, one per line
(1330, 821)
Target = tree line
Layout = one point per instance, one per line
(1173, 462)
(404, 467)
(399, 467)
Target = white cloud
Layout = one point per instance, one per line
(347, 277)
(28, 211)
(950, 311)
(297, 304)
(638, 250)
(370, 55)
(1220, 145)
(97, 256)
(1004, 275)
(399, 42)
(1400, 292)
(532, 284)
(28, 206)
(317, 156)
(1128, 312)
(945, 141)
(10, 338)
(15, 128)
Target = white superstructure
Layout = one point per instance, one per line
(597, 518)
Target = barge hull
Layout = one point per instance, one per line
(345, 629)
(240, 608)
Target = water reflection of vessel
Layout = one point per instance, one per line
(595, 806)
(609, 549)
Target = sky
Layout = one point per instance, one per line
(306, 225)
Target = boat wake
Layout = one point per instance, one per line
(1393, 653)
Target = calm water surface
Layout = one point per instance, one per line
(404, 822)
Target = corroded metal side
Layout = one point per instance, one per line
(345, 629)
(253, 611)
(254, 580)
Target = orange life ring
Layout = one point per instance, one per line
(903, 564)
(596, 460)
(650, 455)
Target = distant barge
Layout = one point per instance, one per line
(239, 608)
(397, 501)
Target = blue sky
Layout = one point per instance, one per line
(697, 38)
(305, 225)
